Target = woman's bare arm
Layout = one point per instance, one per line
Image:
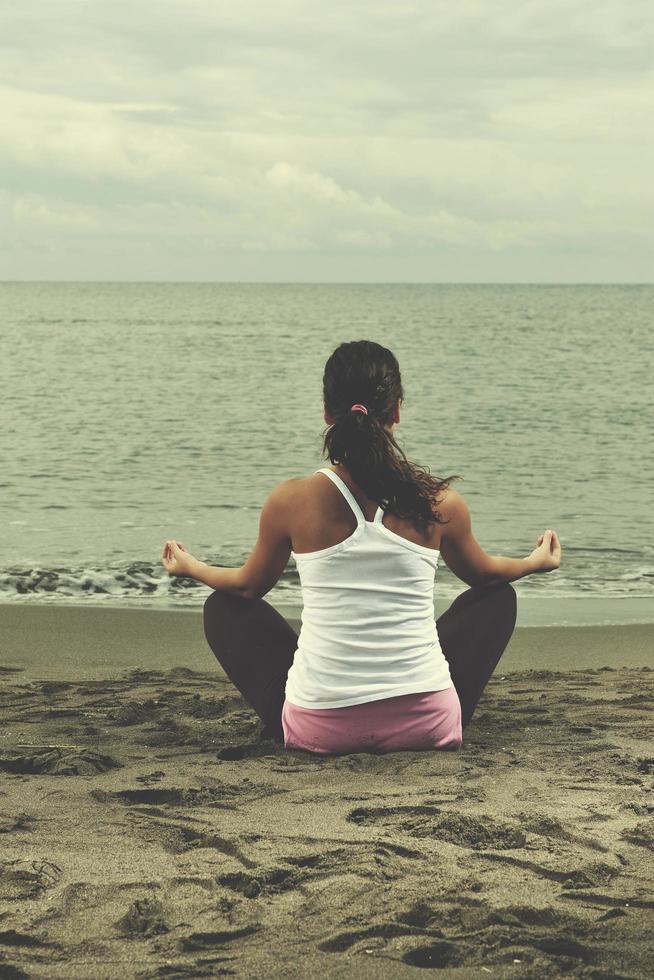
(464, 556)
(264, 567)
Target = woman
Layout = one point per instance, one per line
(371, 669)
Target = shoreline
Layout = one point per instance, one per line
(76, 642)
(544, 611)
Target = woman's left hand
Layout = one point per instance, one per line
(177, 560)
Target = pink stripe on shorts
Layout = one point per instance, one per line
(428, 720)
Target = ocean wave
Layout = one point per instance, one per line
(136, 579)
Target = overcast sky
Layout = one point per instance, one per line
(429, 141)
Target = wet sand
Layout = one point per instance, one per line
(147, 830)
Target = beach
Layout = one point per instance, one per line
(147, 830)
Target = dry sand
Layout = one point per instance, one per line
(146, 830)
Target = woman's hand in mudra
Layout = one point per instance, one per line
(177, 560)
(546, 556)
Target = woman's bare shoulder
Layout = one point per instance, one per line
(450, 503)
(289, 491)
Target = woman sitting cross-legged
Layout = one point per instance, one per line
(372, 670)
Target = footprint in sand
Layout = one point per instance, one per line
(198, 941)
(178, 838)
(436, 956)
(290, 875)
(217, 796)
(151, 777)
(247, 750)
(136, 713)
(27, 879)
(549, 828)
(588, 876)
(14, 939)
(642, 834)
(427, 820)
(387, 930)
(145, 917)
(269, 880)
(54, 761)
(10, 824)
(206, 796)
(558, 951)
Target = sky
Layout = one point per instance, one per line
(365, 141)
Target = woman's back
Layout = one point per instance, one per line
(322, 517)
(368, 628)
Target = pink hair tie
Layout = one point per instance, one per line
(359, 408)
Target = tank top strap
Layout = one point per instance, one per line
(347, 493)
(379, 516)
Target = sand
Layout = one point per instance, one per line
(147, 830)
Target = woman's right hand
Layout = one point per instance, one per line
(546, 556)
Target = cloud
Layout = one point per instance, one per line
(392, 128)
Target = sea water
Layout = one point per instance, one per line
(133, 413)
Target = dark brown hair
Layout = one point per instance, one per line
(365, 372)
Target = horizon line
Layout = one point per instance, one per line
(328, 282)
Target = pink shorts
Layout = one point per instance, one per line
(428, 720)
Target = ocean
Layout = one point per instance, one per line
(137, 412)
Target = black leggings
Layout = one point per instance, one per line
(255, 646)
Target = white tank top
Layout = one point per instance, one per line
(368, 629)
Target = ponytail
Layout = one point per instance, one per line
(367, 373)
